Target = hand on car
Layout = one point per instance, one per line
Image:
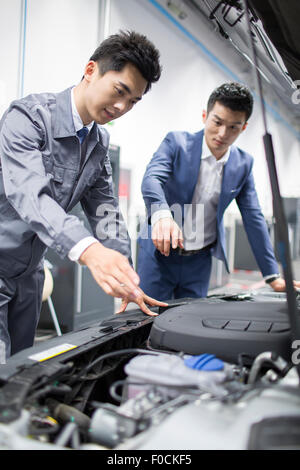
(141, 301)
(164, 232)
(279, 285)
(113, 273)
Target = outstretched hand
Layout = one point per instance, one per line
(113, 273)
(141, 301)
(165, 232)
(111, 270)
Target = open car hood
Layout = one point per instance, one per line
(275, 28)
(281, 23)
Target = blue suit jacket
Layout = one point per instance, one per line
(171, 177)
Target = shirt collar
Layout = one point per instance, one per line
(207, 153)
(78, 124)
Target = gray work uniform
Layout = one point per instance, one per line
(42, 177)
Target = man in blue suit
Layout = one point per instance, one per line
(190, 181)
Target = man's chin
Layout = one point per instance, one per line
(102, 121)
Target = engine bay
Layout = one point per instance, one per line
(108, 388)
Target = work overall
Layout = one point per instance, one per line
(42, 178)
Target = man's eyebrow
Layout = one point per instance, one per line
(220, 119)
(126, 87)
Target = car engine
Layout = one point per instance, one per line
(107, 388)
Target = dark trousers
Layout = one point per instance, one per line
(174, 276)
(20, 306)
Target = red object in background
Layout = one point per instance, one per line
(123, 190)
(124, 183)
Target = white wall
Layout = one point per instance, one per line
(62, 34)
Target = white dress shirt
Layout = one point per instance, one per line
(200, 223)
(77, 250)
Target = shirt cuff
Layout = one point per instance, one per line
(271, 277)
(160, 215)
(77, 250)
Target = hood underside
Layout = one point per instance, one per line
(276, 32)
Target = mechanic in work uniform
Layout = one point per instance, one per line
(188, 184)
(54, 154)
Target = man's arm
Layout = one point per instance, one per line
(27, 185)
(164, 229)
(108, 256)
(156, 175)
(113, 273)
(258, 235)
(279, 285)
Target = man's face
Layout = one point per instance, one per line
(222, 128)
(111, 95)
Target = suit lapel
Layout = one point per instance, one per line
(193, 165)
(230, 181)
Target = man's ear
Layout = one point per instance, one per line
(90, 69)
(204, 116)
(244, 126)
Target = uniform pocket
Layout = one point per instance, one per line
(94, 177)
(58, 174)
(59, 183)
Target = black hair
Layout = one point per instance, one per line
(129, 47)
(234, 96)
